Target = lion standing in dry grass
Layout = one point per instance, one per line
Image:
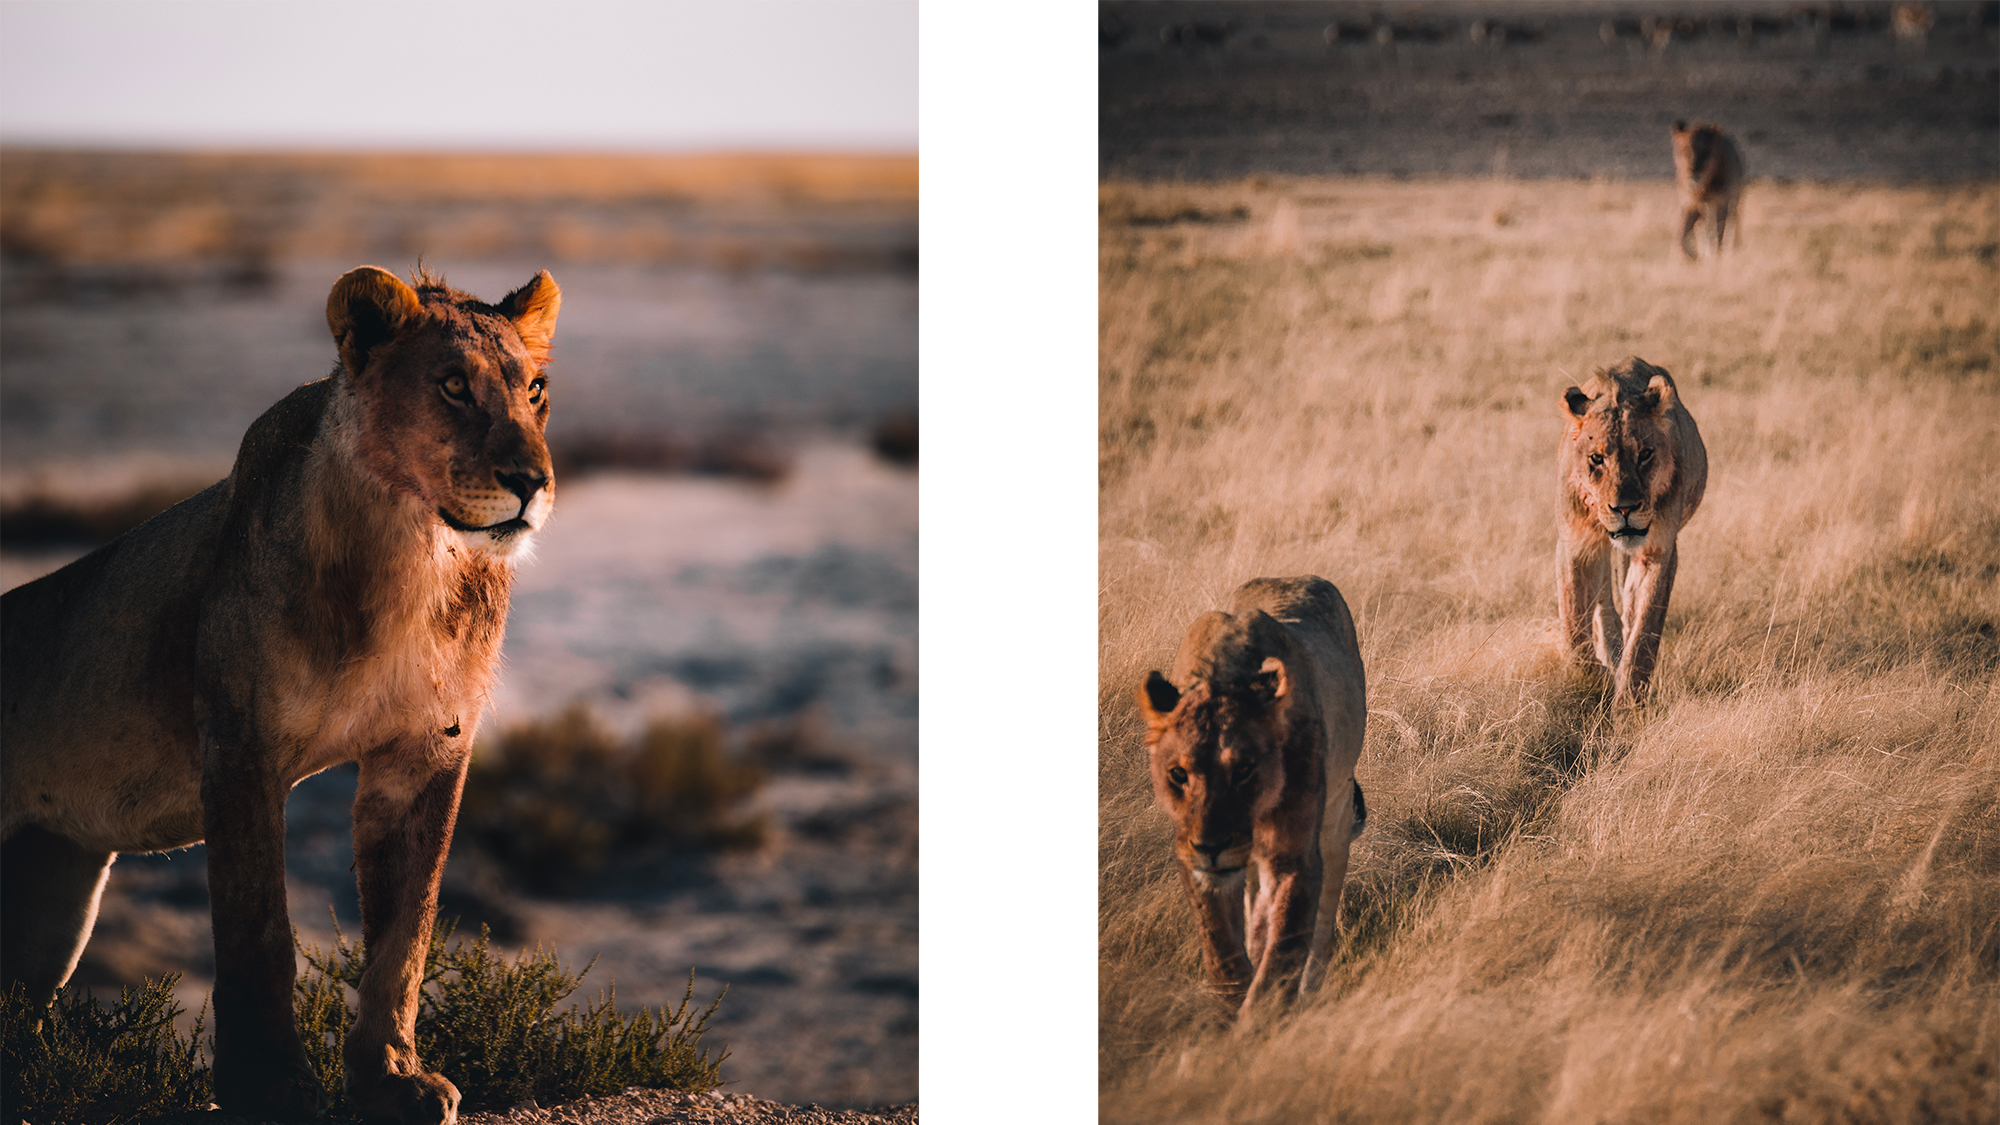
(1633, 469)
(339, 597)
(1709, 173)
(1253, 754)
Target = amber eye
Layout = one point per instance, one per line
(1645, 455)
(1243, 773)
(455, 388)
(535, 389)
(1596, 460)
(1177, 775)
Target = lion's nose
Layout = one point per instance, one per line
(1625, 509)
(523, 485)
(1213, 850)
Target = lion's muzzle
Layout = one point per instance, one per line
(1217, 860)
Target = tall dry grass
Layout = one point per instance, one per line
(1772, 895)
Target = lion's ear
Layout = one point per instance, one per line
(533, 309)
(1660, 394)
(1157, 699)
(1577, 401)
(1680, 127)
(367, 307)
(1271, 683)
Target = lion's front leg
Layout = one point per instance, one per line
(403, 816)
(1583, 593)
(1690, 218)
(261, 1069)
(1281, 924)
(1648, 584)
(1218, 910)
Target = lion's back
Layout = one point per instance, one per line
(1313, 612)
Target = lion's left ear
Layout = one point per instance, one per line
(1660, 393)
(1576, 402)
(1271, 683)
(533, 309)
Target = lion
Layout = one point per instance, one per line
(1709, 172)
(1253, 755)
(340, 596)
(1632, 470)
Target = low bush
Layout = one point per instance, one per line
(82, 1061)
(487, 1022)
(490, 1024)
(555, 798)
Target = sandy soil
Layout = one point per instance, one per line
(1261, 91)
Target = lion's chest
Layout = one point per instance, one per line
(414, 678)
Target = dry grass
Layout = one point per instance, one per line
(1772, 895)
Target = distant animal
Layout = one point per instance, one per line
(1709, 173)
(1632, 469)
(1252, 744)
(1912, 24)
(339, 596)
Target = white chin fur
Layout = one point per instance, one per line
(519, 546)
(1214, 881)
(1628, 543)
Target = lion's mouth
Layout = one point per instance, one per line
(499, 530)
(1629, 532)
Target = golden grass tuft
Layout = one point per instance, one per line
(1769, 896)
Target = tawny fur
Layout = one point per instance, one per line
(1252, 745)
(339, 597)
(1632, 470)
(1708, 170)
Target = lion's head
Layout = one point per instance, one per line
(448, 399)
(1218, 748)
(1620, 458)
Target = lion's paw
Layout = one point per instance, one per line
(406, 1099)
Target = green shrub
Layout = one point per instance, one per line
(80, 1061)
(551, 799)
(490, 1025)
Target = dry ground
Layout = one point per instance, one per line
(1771, 895)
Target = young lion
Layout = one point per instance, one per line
(1709, 172)
(1632, 469)
(1253, 757)
(339, 596)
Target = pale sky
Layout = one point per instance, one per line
(621, 74)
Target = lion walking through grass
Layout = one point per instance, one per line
(1252, 744)
(1708, 171)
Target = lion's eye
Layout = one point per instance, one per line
(535, 389)
(456, 388)
(1243, 773)
(1177, 775)
(1645, 455)
(1596, 460)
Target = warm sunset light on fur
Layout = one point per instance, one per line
(1766, 892)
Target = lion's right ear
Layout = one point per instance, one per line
(1680, 127)
(533, 309)
(1271, 683)
(1157, 699)
(367, 307)
(1577, 401)
(1660, 393)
